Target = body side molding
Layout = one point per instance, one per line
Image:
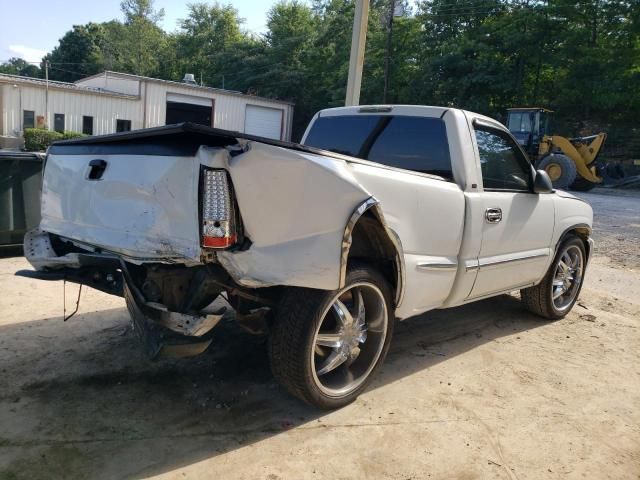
(437, 264)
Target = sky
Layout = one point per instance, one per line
(31, 28)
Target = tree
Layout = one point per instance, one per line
(142, 41)
(140, 11)
(207, 40)
(595, 56)
(78, 54)
(19, 66)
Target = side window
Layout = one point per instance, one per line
(413, 143)
(503, 167)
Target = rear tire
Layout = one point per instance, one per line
(554, 297)
(560, 168)
(325, 346)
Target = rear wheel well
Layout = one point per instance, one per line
(371, 244)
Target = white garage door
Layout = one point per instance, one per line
(263, 121)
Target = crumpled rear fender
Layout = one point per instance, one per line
(294, 208)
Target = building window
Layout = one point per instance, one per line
(58, 122)
(87, 125)
(28, 119)
(123, 125)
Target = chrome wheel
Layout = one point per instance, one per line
(567, 278)
(349, 339)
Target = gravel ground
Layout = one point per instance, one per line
(482, 391)
(616, 228)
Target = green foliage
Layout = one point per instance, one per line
(140, 39)
(140, 11)
(210, 40)
(581, 59)
(137, 45)
(573, 57)
(80, 53)
(18, 66)
(39, 139)
(67, 135)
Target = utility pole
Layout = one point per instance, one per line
(356, 59)
(46, 95)
(387, 54)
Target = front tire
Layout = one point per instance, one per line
(554, 297)
(326, 345)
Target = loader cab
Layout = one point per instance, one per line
(528, 126)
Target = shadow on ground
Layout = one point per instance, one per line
(8, 251)
(80, 399)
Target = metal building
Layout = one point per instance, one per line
(110, 102)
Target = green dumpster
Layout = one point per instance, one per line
(20, 187)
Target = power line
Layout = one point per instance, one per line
(235, 73)
(67, 71)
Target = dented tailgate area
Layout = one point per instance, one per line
(125, 214)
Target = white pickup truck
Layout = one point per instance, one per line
(381, 213)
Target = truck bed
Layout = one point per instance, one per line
(145, 206)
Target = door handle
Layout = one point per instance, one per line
(493, 215)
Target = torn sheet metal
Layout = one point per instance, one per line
(294, 208)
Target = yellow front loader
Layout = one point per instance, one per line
(570, 162)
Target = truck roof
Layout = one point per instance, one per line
(418, 110)
(409, 110)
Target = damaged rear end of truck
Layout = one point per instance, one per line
(173, 217)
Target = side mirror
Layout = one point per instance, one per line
(542, 182)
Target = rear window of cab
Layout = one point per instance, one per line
(413, 143)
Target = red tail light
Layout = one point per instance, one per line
(218, 210)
